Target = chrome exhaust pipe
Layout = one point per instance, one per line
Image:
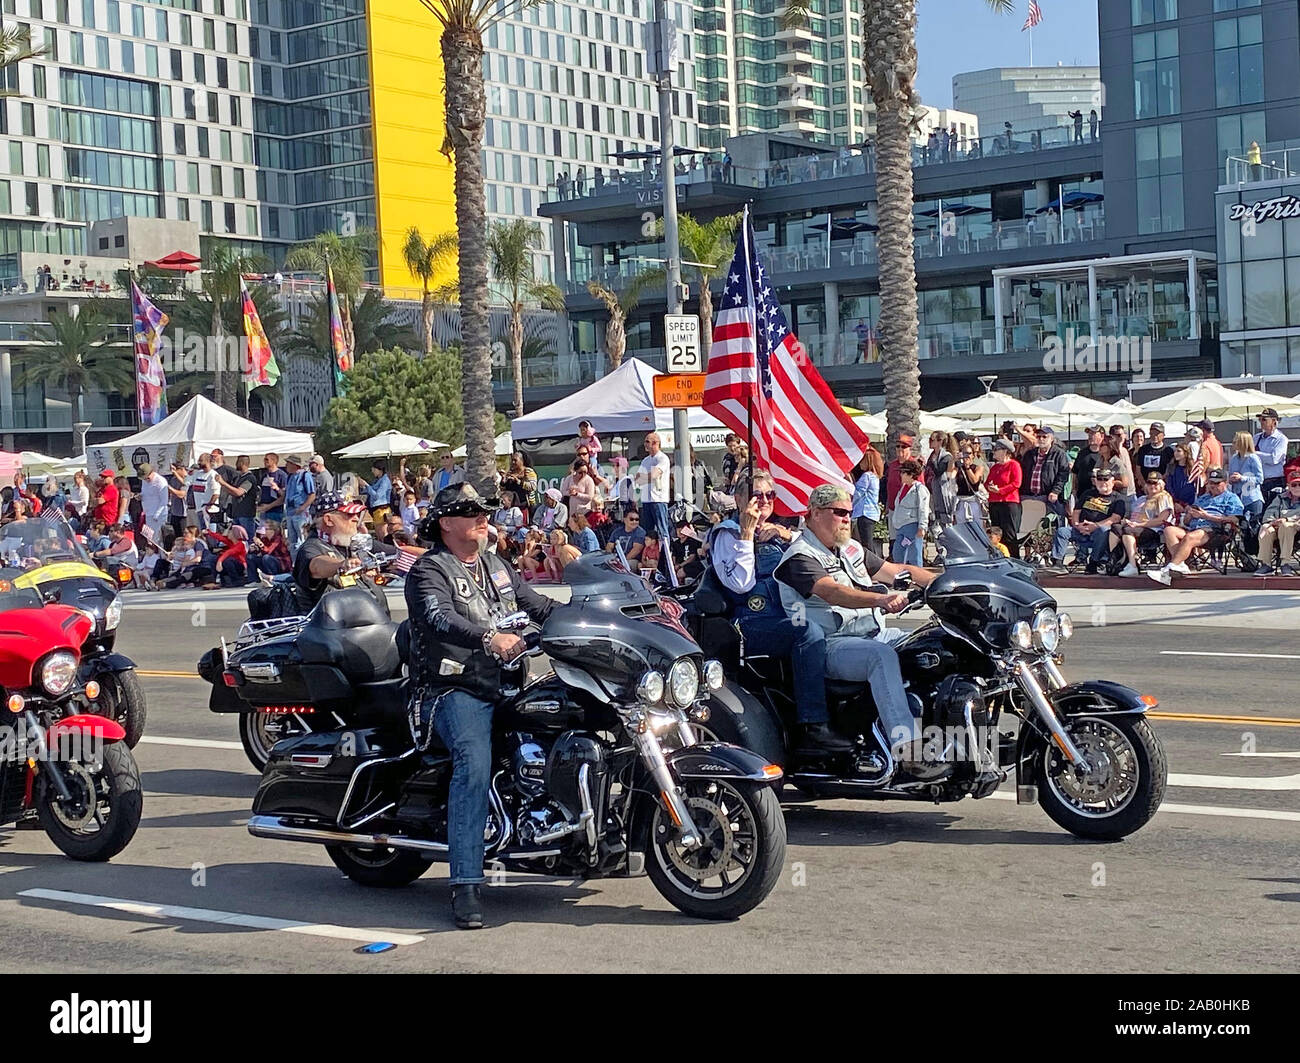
(272, 827)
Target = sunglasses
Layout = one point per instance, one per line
(635, 520)
(764, 496)
(843, 514)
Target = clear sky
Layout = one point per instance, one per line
(953, 36)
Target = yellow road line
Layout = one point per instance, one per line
(167, 675)
(1256, 721)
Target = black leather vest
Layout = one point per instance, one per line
(436, 665)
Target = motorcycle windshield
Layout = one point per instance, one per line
(35, 542)
(967, 543)
(603, 576)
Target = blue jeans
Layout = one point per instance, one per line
(464, 723)
(872, 661)
(805, 644)
(262, 563)
(1088, 548)
(914, 552)
(249, 525)
(293, 531)
(654, 517)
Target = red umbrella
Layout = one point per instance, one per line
(180, 261)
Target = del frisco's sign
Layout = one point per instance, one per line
(1279, 209)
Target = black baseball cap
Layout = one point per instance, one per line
(1216, 476)
(1268, 412)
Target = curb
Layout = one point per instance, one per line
(1198, 581)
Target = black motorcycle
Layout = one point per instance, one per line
(596, 769)
(1083, 751)
(270, 708)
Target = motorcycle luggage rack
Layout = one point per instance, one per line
(252, 632)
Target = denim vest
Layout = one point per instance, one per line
(764, 598)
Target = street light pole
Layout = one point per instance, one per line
(664, 44)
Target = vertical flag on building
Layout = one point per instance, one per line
(762, 384)
(338, 342)
(147, 323)
(1035, 16)
(260, 369)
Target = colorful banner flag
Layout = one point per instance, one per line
(261, 369)
(338, 342)
(147, 323)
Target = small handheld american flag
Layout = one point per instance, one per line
(1035, 16)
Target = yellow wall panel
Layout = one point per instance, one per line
(413, 179)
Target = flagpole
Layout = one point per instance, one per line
(135, 353)
(1031, 45)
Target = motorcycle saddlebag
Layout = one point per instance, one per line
(308, 775)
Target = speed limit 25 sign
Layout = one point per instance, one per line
(682, 341)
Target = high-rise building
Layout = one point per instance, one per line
(568, 94)
(755, 74)
(1029, 97)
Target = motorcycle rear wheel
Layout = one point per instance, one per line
(104, 813)
(259, 731)
(1131, 752)
(378, 868)
(740, 859)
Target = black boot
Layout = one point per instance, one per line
(467, 907)
(819, 738)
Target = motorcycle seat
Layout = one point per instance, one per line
(382, 704)
(349, 630)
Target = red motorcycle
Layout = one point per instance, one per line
(63, 767)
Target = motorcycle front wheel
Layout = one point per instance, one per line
(1121, 790)
(103, 811)
(123, 698)
(740, 856)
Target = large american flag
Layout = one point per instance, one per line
(759, 371)
(1035, 16)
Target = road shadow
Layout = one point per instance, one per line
(200, 782)
(808, 824)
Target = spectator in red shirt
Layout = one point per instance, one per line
(106, 498)
(1003, 486)
(232, 562)
(893, 481)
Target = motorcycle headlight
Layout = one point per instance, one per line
(713, 677)
(1047, 633)
(683, 682)
(113, 614)
(58, 672)
(1065, 624)
(1022, 636)
(660, 722)
(651, 687)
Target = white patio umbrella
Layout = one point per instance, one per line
(994, 407)
(1085, 410)
(874, 424)
(1126, 405)
(1212, 400)
(391, 444)
(503, 445)
(35, 463)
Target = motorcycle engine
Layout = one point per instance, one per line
(954, 697)
(530, 768)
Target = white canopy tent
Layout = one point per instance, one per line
(503, 444)
(37, 464)
(621, 403)
(196, 427)
(391, 444)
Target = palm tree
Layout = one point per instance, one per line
(346, 257)
(889, 41)
(426, 259)
(709, 246)
(75, 354)
(224, 267)
(15, 47)
(510, 252)
(620, 303)
(464, 23)
(371, 319)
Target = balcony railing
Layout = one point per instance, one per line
(88, 283)
(624, 182)
(1276, 165)
(38, 331)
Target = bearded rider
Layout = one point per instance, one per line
(328, 554)
(826, 580)
(456, 593)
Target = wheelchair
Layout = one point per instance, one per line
(1036, 532)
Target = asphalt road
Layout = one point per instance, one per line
(1211, 884)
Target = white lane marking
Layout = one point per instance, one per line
(209, 915)
(1211, 653)
(1206, 810)
(1281, 756)
(197, 743)
(1237, 782)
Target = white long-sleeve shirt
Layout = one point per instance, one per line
(733, 560)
